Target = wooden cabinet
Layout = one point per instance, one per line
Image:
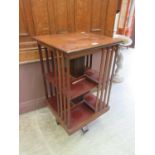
(40, 17)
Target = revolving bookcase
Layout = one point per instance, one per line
(75, 100)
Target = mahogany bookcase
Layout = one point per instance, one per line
(76, 101)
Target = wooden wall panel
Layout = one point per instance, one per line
(22, 22)
(26, 29)
(71, 15)
(98, 14)
(82, 15)
(110, 17)
(39, 17)
(61, 16)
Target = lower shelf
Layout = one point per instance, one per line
(90, 100)
(80, 115)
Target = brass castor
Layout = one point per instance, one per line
(84, 129)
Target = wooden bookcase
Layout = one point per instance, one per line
(71, 98)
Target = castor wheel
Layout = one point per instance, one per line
(84, 129)
(57, 122)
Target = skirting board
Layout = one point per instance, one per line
(32, 105)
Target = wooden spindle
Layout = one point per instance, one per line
(52, 66)
(102, 65)
(62, 71)
(56, 81)
(104, 80)
(90, 63)
(63, 87)
(48, 69)
(87, 61)
(59, 81)
(108, 76)
(68, 90)
(52, 60)
(113, 68)
(43, 70)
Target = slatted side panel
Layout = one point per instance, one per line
(106, 71)
(111, 73)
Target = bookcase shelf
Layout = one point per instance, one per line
(77, 88)
(80, 115)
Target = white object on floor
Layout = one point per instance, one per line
(119, 62)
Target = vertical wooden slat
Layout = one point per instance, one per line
(63, 86)
(52, 65)
(48, 69)
(106, 79)
(52, 61)
(68, 90)
(113, 67)
(87, 60)
(107, 88)
(56, 81)
(59, 81)
(55, 65)
(47, 60)
(108, 76)
(102, 64)
(90, 64)
(43, 70)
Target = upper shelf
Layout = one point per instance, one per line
(83, 86)
(77, 88)
(73, 42)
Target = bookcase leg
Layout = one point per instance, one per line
(84, 129)
(68, 90)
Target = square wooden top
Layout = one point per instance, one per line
(73, 42)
